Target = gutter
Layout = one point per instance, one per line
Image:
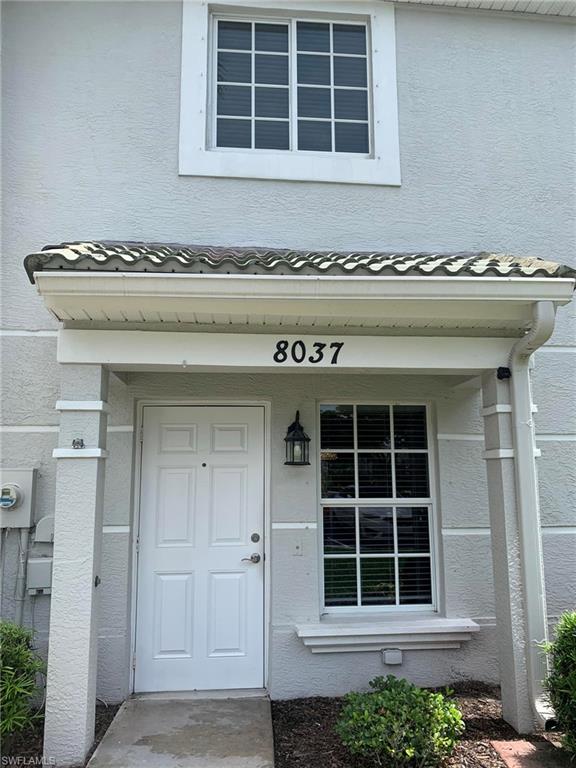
(543, 313)
(217, 286)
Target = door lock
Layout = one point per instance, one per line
(255, 537)
(254, 558)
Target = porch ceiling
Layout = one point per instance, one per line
(104, 283)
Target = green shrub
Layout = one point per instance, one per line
(561, 683)
(398, 724)
(19, 667)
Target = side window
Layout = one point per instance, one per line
(294, 86)
(376, 507)
(279, 94)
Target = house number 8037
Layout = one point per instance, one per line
(298, 352)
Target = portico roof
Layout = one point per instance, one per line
(108, 284)
(111, 256)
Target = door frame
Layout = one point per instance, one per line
(136, 512)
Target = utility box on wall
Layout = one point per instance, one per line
(39, 576)
(17, 488)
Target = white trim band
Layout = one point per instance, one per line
(79, 453)
(466, 531)
(559, 348)
(490, 410)
(82, 405)
(506, 453)
(27, 429)
(294, 526)
(38, 428)
(468, 437)
(43, 334)
(115, 529)
(559, 530)
(552, 530)
(498, 453)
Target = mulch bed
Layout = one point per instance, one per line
(25, 748)
(304, 736)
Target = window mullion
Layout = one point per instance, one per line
(355, 449)
(293, 86)
(212, 84)
(332, 117)
(356, 509)
(396, 559)
(392, 451)
(253, 85)
(370, 95)
(358, 561)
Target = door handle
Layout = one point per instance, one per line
(254, 558)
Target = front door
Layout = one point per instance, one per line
(200, 600)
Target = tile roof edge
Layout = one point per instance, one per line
(243, 258)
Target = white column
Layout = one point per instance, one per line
(513, 588)
(72, 656)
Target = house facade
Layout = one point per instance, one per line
(288, 370)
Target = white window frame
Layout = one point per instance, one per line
(430, 502)
(198, 156)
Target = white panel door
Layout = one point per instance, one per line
(200, 601)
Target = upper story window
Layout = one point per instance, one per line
(291, 86)
(278, 92)
(376, 507)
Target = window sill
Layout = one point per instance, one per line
(404, 634)
(290, 166)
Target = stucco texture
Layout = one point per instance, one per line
(90, 121)
(464, 559)
(91, 143)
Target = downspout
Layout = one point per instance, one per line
(543, 314)
(3, 542)
(24, 534)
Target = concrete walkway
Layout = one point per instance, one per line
(526, 754)
(194, 733)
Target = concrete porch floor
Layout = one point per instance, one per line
(188, 733)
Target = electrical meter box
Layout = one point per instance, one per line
(17, 488)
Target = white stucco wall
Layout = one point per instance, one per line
(466, 586)
(90, 132)
(465, 565)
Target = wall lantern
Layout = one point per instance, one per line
(297, 444)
